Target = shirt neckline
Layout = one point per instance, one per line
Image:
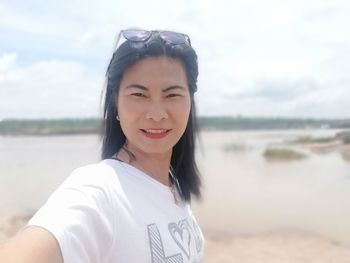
(149, 178)
(141, 173)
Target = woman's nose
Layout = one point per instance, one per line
(156, 111)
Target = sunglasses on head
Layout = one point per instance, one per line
(139, 35)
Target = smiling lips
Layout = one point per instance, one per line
(155, 133)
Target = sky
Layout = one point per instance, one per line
(272, 58)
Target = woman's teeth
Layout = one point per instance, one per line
(155, 131)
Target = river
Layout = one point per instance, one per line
(242, 191)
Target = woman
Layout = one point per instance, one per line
(133, 206)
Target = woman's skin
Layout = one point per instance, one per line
(32, 245)
(153, 94)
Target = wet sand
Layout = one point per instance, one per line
(286, 247)
(291, 247)
(333, 147)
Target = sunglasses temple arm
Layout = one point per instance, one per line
(114, 49)
(117, 41)
(189, 40)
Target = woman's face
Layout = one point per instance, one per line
(154, 104)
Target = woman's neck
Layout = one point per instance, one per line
(155, 165)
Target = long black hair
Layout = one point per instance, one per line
(183, 154)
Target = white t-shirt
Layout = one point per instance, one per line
(111, 212)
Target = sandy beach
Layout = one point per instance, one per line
(287, 247)
(275, 248)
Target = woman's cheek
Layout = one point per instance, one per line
(133, 106)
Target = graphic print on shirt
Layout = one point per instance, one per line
(197, 237)
(157, 248)
(183, 233)
(182, 236)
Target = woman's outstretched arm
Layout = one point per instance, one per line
(31, 245)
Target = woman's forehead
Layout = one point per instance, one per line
(156, 70)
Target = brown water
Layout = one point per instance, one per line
(243, 193)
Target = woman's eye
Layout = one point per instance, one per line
(173, 95)
(138, 94)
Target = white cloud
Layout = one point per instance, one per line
(7, 61)
(262, 49)
(49, 89)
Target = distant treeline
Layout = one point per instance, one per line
(259, 123)
(94, 125)
(49, 126)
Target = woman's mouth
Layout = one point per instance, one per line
(155, 133)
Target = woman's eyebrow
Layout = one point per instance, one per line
(164, 90)
(136, 86)
(174, 87)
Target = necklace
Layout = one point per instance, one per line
(173, 191)
(174, 184)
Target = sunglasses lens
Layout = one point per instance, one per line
(136, 35)
(174, 37)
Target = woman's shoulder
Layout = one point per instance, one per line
(89, 184)
(95, 171)
(100, 175)
(102, 165)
